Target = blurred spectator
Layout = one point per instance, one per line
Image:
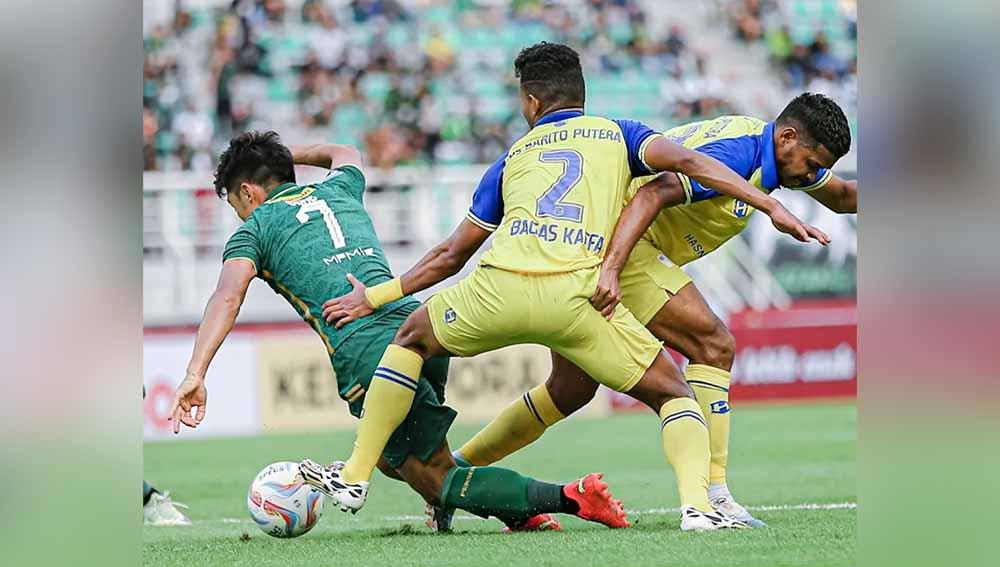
(327, 42)
(747, 18)
(797, 39)
(822, 59)
(431, 86)
(675, 43)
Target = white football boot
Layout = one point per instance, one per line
(727, 506)
(349, 496)
(694, 520)
(160, 510)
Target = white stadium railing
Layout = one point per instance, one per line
(185, 227)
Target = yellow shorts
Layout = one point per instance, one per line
(647, 278)
(493, 308)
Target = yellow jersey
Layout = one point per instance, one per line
(554, 198)
(707, 219)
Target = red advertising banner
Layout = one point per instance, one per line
(806, 351)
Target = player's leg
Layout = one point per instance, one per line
(523, 422)
(567, 389)
(663, 297)
(357, 364)
(391, 393)
(623, 355)
(507, 495)
(468, 326)
(685, 441)
(688, 325)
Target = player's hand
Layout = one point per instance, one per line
(350, 307)
(190, 394)
(608, 293)
(786, 222)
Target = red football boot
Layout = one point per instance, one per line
(539, 523)
(595, 501)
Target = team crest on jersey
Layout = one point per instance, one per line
(740, 209)
(450, 316)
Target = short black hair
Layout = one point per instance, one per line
(255, 157)
(821, 119)
(552, 73)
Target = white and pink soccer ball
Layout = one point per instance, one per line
(281, 504)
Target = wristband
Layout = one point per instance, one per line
(385, 292)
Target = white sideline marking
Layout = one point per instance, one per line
(649, 511)
(765, 508)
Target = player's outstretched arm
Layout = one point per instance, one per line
(220, 314)
(663, 191)
(838, 195)
(664, 155)
(444, 260)
(328, 156)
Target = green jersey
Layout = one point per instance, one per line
(304, 240)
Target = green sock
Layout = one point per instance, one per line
(502, 493)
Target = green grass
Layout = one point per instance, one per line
(781, 455)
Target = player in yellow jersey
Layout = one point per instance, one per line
(685, 221)
(551, 202)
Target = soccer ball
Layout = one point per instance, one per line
(282, 504)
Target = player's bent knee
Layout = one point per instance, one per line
(387, 470)
(570, 396)
(661, 383)
(719, 347)
(416, 334)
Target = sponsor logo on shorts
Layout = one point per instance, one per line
(665, 261)
(740, 209)
(721, 406)
(450, 316)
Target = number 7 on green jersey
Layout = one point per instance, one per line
(319, 205)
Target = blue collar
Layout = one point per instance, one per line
(558, 115)
(768, 167)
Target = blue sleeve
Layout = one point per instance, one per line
(738, 154)
(635, 135)
(487, 202)
(823, 176)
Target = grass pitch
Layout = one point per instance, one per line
(793, 465)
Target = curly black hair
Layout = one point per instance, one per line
(822, 120)
(552, 73)
(255, 157)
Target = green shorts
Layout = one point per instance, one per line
(426, 426)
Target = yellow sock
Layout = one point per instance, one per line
(517, 426)
(685, 441)
(711, 387)
(387, 403)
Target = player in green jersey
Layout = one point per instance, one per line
(310, 243)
